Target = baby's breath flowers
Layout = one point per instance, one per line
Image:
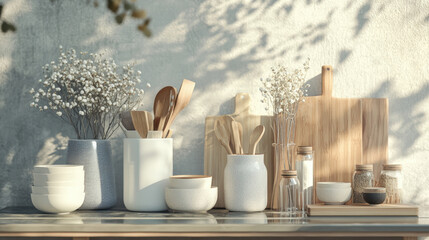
(285, 89)
(88, 92)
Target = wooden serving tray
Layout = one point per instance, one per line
(362, 210)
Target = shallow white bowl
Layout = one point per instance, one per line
(58, 169)
(333, 185)
(56, 177)
(38, 183)
(58, 190)
(57, 203)
(190, 181)
(191, 200)
(334, 196)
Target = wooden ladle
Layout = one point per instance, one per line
(256, 136)
(161, 107)
(182, 100)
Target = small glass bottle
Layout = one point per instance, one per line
(304, 168)
(363, 177)
(290, 193)
(391, 178)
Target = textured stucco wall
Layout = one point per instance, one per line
(377, 48)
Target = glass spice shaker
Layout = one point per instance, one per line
(304, 168)
(363, 177)
(290, 192)
(391, 178)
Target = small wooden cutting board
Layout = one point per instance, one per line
(363, 210)
(215, 154)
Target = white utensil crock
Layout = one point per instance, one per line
(148, 164)
(245, 183)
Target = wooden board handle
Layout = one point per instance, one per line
(242, 103)
(327, 80)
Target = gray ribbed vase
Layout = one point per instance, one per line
(96, 157)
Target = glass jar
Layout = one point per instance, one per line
(290, 193)
(363, 177)
(304, 168)
(391, 178)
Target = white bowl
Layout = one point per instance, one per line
(58, 190)
(56, 177)
(57, 203)
(333, 185)
(58, 169)
(190, 181)
(334, 196)
(191, 200)
(39, 183)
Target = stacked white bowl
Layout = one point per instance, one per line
(191, 193)
(58, 188)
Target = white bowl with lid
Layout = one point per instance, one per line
(191, 200)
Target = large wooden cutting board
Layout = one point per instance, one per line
(333, 127)
(363, 210)
(215, 154)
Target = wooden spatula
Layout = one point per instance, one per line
(141, 122)
(182, 100)
(161, 107)
(222, 136)
(236, 136)
(256, 136)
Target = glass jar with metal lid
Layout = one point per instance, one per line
(304, 169)
(391, 178)
(290, 192)
(363, 177)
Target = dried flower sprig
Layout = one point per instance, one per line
(88, 92)
(284, 89)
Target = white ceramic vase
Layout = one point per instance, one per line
(148, 164)
(245, 183)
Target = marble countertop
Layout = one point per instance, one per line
(28, 219)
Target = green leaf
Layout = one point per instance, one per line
(138, 14)
(120, 18)
(144, 28)
(128, 6)
(113, 5)
(6, 26)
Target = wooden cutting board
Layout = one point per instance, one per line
(333, 127)
(363, 210)
(215, 154)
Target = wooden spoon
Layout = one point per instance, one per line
(173, 97)
(126, 121)
(161, 106)
(182, 100)
(220, 135)
(236, 137)
(240, 135)
(256, 136)
(141, 122)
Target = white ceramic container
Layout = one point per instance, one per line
(56, 177)
(58, 169)
(191, 200)
(335, 194)
(245, 183)
(57, 203)
(58, 190)
(190, 181)
(148, 164)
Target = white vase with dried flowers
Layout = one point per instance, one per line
(89, 92)
(282, 92)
